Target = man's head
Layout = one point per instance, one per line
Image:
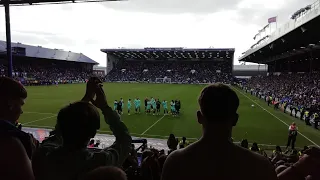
(218, 106)
(106, 172)
(12, 97)
(78, 123)
(184, 139)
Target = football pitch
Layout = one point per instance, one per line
(259, 124)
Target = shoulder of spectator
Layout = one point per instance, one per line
(263, 167)
(110, 154)
(14, 159)
(170, 170)
(52, 141)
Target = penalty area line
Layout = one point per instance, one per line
(275, 116)
(152, 125)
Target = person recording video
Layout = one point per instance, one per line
(77, 123)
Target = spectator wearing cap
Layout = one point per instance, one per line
(77, 123)
(202, 159)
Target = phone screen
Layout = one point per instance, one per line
(139, 160)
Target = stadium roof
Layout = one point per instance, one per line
(172, 53)
(46, 53)
(297, 37)
(37, 2)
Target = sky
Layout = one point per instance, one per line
(89, 27)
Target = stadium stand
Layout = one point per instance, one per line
(35, 65)
(139, 163)
(170, 65)
(65, 154)
(292, 55)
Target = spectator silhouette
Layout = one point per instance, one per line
(214, 156)
(172, 142)
(307, 167)
(77, 123)
(245, 144)
(16, 146)
(106, 173)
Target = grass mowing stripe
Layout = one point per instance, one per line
(275, 116)
(42, 119)
(153, 125)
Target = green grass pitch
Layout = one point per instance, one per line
(259, 124)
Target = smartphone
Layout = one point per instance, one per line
(139, 159)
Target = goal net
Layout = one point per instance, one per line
(163, 80)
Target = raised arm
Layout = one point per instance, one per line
(119, 151)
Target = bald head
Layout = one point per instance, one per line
(218, 103)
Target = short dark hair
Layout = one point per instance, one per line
(78, 122)
(10, 88)
(105, 172)
(218, 102)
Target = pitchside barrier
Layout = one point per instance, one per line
(107, 140)
(152, 82)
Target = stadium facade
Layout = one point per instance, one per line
(27, 55)
(172, 57)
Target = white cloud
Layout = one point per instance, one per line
(89, 27)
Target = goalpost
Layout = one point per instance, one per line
(163, 80)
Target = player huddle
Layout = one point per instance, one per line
(150, 105)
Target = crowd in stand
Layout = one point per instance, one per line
(301, 91)
(47, 74)
(65, 154)
(178, 72)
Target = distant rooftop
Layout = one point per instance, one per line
(46, 53)
(172, 53)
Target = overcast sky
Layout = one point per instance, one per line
(89, 27)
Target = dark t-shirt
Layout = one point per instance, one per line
(158, 104)
(119, 105)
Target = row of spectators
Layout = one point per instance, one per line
(65, 154)
(178, 72)
(47, 74)
(300, 91)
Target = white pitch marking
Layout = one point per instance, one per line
(42, 119)
(276, 117)
(38, 113)
(152, 125)
(36, 126)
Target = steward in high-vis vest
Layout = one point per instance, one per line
(316, 120)
(285, 105)
(306, 117)
(183, 143)
(302, 112)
